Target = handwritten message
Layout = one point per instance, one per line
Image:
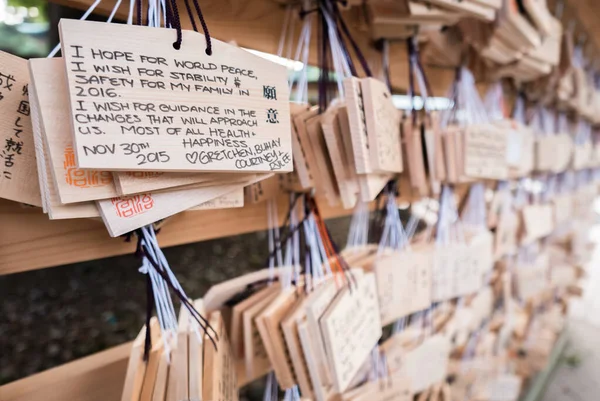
(17, 152)
(486, 150)
(141, 107)
(403, 284)
(383, 126)
(351, 328)
(427, 364)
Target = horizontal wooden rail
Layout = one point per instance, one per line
(29, 240)
(98, 377)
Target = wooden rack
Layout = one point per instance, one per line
(28, 240)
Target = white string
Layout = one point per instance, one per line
(271, 391)
(393, 236)
(302, 52)
(114, 11)
(130, 16)
(359, 226)
(474, 213)
(165, 310)
(341, 66)
(149, 236)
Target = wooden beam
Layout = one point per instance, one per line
(29, 240)
(257, 24)
(98, 377)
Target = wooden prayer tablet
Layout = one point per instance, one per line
(289, 326)
(322, 391)
(162, 376)
(428, 363)
(225, 112)
(374, 126)
(382, 119)
(403, 283)
(230, 200)
(256, 359)
(236, 332)
(268, 323)
(73, 184)
(537, 221)
(219, 294)
(40, 157)
(369, 185)
(137, 367)
(345, 177)
(485, 152)
(264, 190)
(316, 305)
(345, 133)
(177, 387)
(351, 328)
(77, 185)
(302, 162)
(124, 214)
(372, 184)
(152, 370)
(325, 178)
(196, 355)
(358, 125)
(51, 203)
(18, 167)
(309, 169)
(220, 380)
(135, 182)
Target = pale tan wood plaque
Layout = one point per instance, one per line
(186, 111)
(18, 164)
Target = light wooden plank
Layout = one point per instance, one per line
(98, 377)
(29, 241)
(184, 106)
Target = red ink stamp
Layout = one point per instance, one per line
(83, 178)
(132, 205)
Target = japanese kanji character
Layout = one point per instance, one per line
(14, 146)
(7, 81)
(8, 159)
(23, 108)
(269, 92)
(272, 116)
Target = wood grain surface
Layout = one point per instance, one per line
(29, 240)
